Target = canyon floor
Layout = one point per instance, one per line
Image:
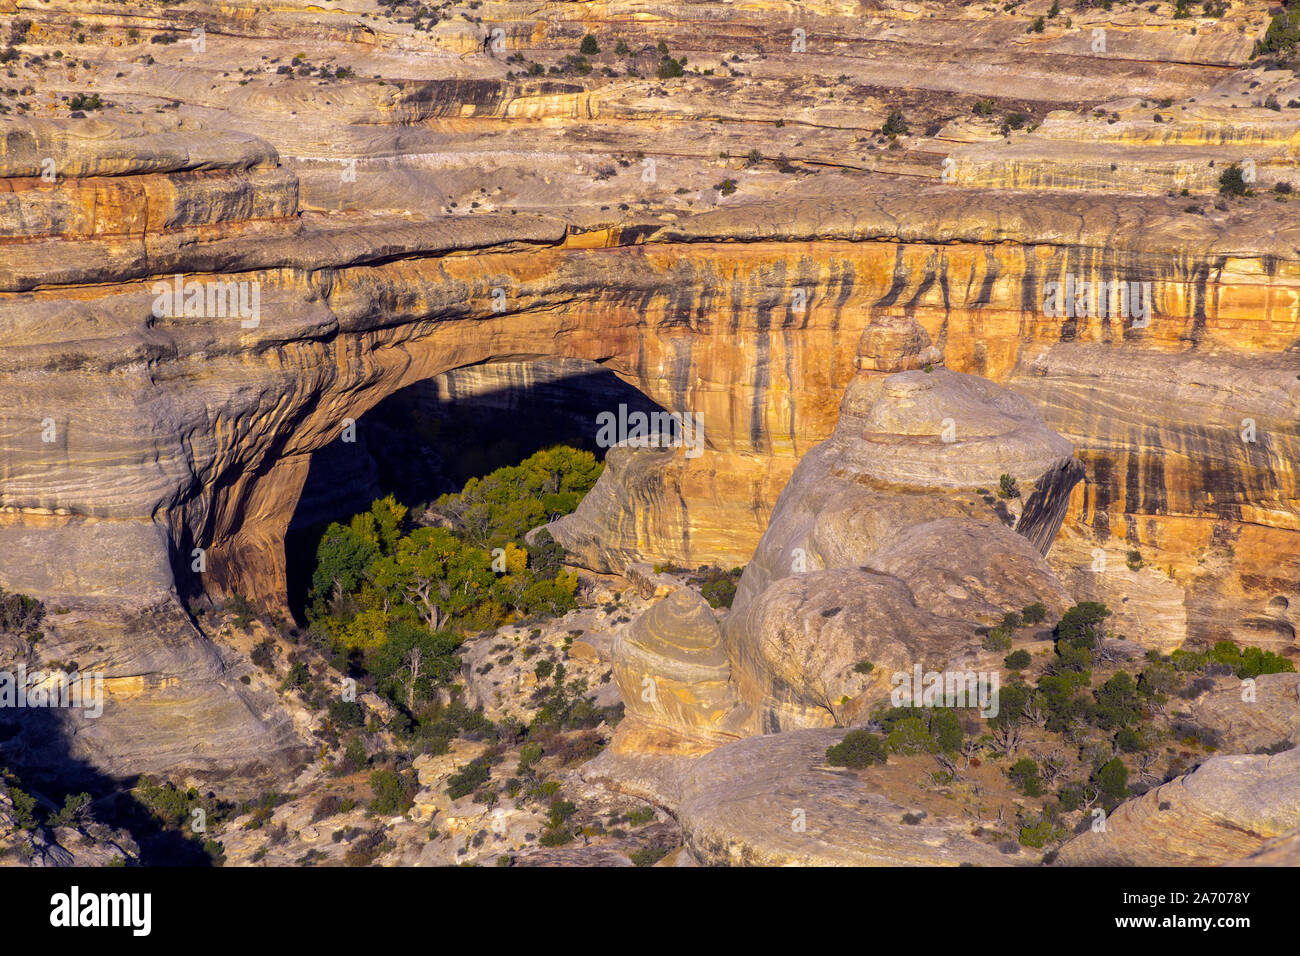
(985, 308)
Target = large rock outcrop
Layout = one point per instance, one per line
(1227, 810)
(884, 548)
(772, 801)
(1246, 719)
(672, 664)
(383, 189)
(887, 545)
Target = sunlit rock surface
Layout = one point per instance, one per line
(1225, 811)
(1246, 717)
(379, 213)
(672, 670)
(772, 801)
(883, 554)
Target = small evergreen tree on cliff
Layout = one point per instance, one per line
(1232, 182)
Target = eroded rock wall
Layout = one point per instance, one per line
(379, 213)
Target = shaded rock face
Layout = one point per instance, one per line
(171, 702)
(1227, 810)
(432, 437)
(882, 551)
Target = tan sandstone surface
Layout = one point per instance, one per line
(720, 240)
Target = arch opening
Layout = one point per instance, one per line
(431, 437)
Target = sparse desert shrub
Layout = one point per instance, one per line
(649, 855)
(859, 748)
(1040, 833)
(354, 756)
(1232, 181)
(997, 639)
(1081, 625)
(909, 736)
(719, 586)
(75, 807)
(345, 713)
(578, 748)
(86, 102)
(555, 837)
(19, 614)
(470, 777)
(393, 792)
(1117, 702)
(670, 68)
(640, 817)
(365, 849)
(1111, 779)
(327, 806)
(1129, 740)
(895, 124)
(1017, 660)
(1024, 774)
(1035, 613)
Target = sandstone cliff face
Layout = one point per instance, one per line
(378, 215)
(883, 549)
(171, 701)
(352, 315)
(887, 545)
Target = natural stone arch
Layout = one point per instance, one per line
(245, 527)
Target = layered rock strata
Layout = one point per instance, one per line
(398, 179)
(883, 548)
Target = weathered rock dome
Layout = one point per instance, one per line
(895, 343)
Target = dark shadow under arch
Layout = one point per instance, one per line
(431, 437)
